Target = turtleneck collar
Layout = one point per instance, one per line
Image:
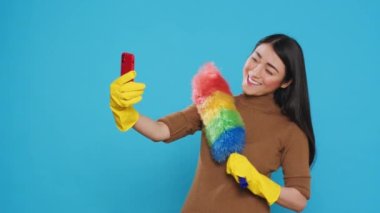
(264, 103)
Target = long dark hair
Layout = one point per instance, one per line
(294, 99)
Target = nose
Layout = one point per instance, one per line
(256, 71)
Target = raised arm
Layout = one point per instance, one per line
(124, 93)
(154, 130)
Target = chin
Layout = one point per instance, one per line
(253, 92)
(249, 91)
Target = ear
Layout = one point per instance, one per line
(286, 84)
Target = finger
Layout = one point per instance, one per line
(126, 77)
(127, 103)
(131, 95)
(236, 178)
(131, 86)
(228, 170)
(115, 100)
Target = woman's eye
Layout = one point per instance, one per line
(269, 72)
(254, 59)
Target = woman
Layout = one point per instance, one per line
(275, 108)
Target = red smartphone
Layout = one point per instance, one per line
(127, 62)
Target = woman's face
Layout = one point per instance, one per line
(263, 72)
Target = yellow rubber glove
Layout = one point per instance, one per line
(239, 166)
(124, 93)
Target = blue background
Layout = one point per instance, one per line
(61, 152)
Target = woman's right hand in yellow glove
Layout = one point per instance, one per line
(123, 94)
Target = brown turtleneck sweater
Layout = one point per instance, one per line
(272, 140)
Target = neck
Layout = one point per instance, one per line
(265, 103)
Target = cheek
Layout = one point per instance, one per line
(247, 66)
(273, 83)
(245, 71)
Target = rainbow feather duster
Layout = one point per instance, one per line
(223, 124)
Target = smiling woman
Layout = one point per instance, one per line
(263, 72)
(275, 109)
(292, 95)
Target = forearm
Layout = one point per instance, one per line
(156, 131)
(291, 198)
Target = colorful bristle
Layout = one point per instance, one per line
(224, 126)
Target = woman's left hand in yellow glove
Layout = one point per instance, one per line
(240, 168)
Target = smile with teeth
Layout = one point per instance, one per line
(252, 82)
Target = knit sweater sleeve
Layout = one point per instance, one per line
(182, 123)
(295, 161)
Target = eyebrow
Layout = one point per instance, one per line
(269, 64)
